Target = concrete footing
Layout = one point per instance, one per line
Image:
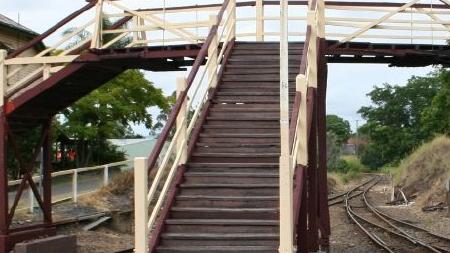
(55, 244)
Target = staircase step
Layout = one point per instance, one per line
(223, 236)
(262, 77)
(241, 124)
(248, 189)
(234, 165)
(225, 222)
(221, 226)
(245, 115)
(237, 130)
(224, 213)
(217, 249)
(230, 178)
(227, 201)
(220, 149)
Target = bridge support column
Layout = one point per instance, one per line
(324, 214)
(9, 236)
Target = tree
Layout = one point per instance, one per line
(436, 117)
(394, 120)
(340, 127)
(109, 112)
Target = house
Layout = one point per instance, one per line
(14, 35)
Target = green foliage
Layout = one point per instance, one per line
(401, 118)
(333, 151)
(436, 118)
(109, 112)
(340, 127)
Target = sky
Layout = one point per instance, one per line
(348, 84)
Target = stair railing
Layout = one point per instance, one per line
(301, 119)
(305, 79)
(193, 93)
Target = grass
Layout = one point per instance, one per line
(425, 171)
(352, 169)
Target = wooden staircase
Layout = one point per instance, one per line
(227, 200)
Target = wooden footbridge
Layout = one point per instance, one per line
(246, 171)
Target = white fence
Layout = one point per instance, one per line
(75, 184)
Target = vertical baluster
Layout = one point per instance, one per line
(286, 174)
(213, 55)
(181, 122)
(259, 20)
(98, 29)
(141, 204)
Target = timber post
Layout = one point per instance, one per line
(286, 173)
(182, 122)
(3, 171)
(213, 55)
(141, 204)
(259, 20)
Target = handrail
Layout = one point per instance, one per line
(190, 79)
(47, 33)
(184, 124)
(147, 20)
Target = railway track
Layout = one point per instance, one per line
(389, 233)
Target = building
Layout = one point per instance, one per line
(13, 35)
(134, 147)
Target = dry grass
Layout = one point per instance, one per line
(425, 171)
(334, 182)
(118, 194)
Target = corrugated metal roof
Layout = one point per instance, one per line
(14, 25)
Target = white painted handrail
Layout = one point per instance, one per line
(176, 152)
(429, 24)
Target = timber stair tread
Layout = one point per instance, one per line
(228, 198)
(226, 222)
(240, 135)
(227, 165)
(204, 154)
(230, 174)
(230, 186)
(222, 236)
(216, 249)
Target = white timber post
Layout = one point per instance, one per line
(97, 35)
(302, 128)
(47, 71)
(106, 175)
(259, 20)
(141, 205)
(321, 19)
(213, 55)
(182, 122)
(31, 199)
(233, 18)
(286, 174)
(3, 76)
(312, 50)
(75, 186)
(136, 25)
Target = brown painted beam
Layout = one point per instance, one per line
(54, 28)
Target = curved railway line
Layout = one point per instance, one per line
(376, 224)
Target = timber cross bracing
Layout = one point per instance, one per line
(245, 164)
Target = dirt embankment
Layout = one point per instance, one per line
(425, 172)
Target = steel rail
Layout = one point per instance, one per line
(397, 231)
(352, 215)
(389, 219)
